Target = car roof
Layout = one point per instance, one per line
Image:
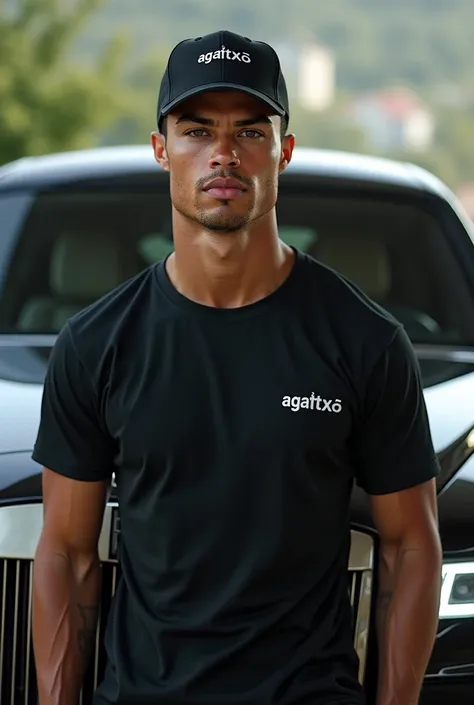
(115, 162)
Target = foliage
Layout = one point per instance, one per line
(419, 42)
(61, 89)
(327, 130)
(424, 44)
(136, 122)
(48, 103)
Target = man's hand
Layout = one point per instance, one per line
(409, 590)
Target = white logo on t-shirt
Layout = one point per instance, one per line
(315, 403)
(227, 54)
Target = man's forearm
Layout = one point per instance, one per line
(407, 619)
(65, 607)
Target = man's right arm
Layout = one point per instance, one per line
(77, 453)
(66, 586)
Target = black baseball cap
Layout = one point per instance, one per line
(223, 61)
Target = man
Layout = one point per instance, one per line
(234, 508)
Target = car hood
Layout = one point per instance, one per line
(451, 414)
(450, 409)
(22, 371)
(449, 403)
(19, 415)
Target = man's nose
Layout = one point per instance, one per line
(225, 156)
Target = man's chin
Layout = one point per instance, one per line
(224, 223)
(224, 227)
(218, 220)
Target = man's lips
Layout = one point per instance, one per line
(225, 188)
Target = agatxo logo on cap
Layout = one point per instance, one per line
(227, 54)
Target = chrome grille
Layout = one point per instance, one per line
(360, 591)
(17, 672)
(15, 632)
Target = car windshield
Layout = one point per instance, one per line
(74, 245)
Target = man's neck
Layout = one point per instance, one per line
(229, 270)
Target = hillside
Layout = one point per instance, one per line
(418, 42)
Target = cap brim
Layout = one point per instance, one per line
(279, 110)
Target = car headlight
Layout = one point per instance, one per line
(457, 591)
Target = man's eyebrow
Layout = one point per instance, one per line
(194, 118)
(258, 120)
(197, 119)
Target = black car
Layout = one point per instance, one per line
(75, 225)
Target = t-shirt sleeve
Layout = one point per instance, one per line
(72, 439)
(392, 441)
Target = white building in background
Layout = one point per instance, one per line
(316, 77)
(393, 120)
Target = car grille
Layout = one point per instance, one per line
(17, 672)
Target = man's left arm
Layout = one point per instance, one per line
(409, 590)
(397, 467)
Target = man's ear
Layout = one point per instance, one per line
(287, 147)
(158, 142)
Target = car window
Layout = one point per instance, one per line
(74, 246)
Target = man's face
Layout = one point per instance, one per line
(230, 137)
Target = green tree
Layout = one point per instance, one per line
(456, 135)
(438, 160)
(48, 103)
(419, 42)
(327, 130)
(138, 119)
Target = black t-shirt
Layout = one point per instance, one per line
(236, 436)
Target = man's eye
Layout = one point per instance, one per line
(196, 133)
(252, 134)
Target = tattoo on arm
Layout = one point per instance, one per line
(384, 599)
(88, 615)
(383, 602)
